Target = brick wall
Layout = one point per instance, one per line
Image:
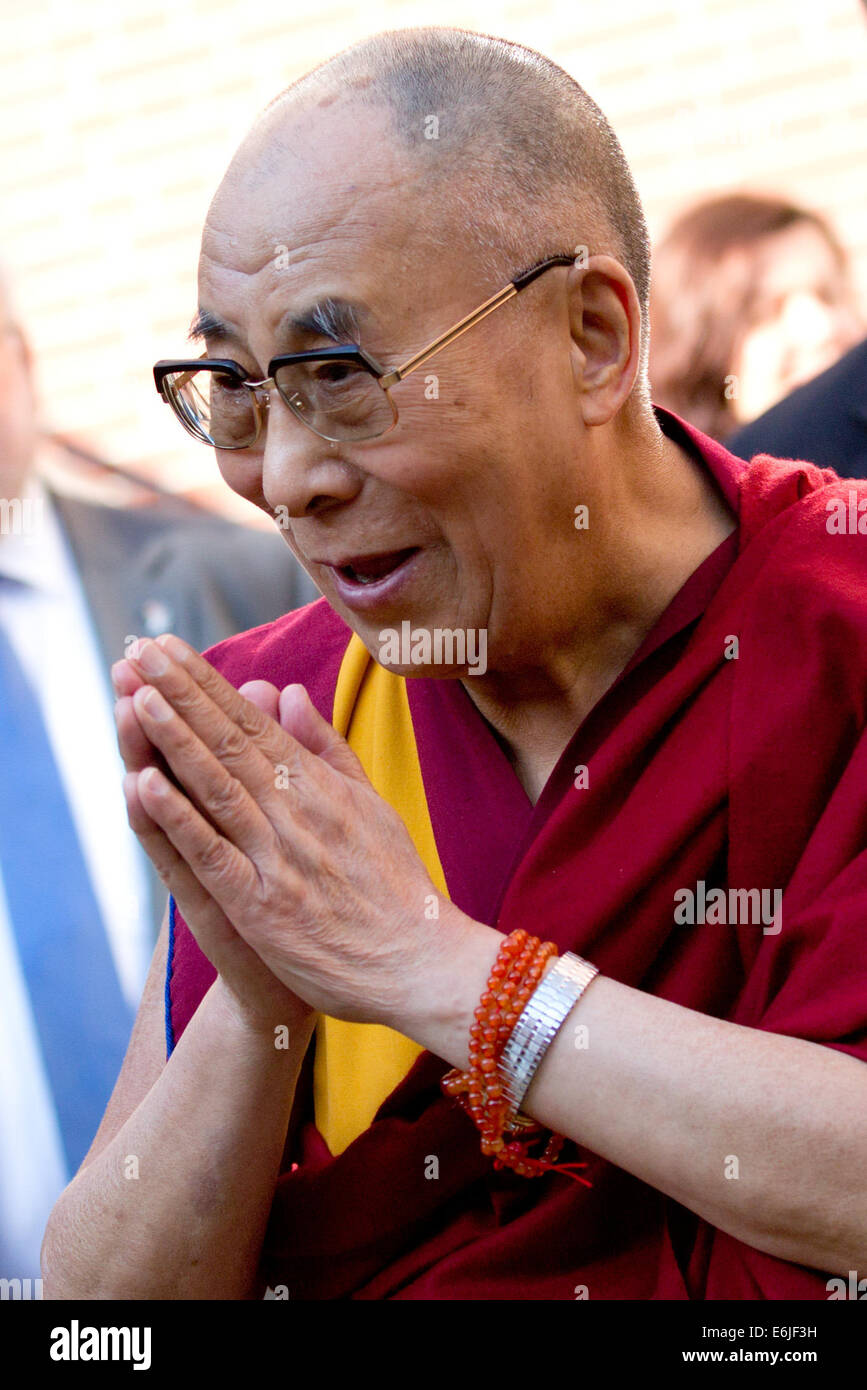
(117, 120)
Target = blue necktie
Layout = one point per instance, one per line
(81, 1017)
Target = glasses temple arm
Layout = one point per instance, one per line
(471, 319)
(514, 287)
(522, 281)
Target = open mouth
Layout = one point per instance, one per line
(368, 569)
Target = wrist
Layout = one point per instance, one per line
(565, 980)
(438, 1009)
(283, 1024)
(528, 995)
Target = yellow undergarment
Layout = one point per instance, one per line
(357, 1065)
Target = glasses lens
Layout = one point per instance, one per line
(214, 406)
(336, 399)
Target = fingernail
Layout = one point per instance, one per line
(115, 673)
(174, 646)
(154, 704)
(153, 659)
(152, 780)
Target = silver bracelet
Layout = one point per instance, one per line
(547, 1009)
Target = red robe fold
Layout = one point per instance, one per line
(744, 771)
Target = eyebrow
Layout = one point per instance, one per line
(332, 318)
(335, 319)
(208, 325)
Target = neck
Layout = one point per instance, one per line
(669, 516)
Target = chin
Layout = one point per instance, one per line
(438, 651)
(436, 673)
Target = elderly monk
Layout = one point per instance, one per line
(655, 760)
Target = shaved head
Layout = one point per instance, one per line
(511, 149)
(379, 201)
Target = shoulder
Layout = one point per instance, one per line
(157, 528)
(808, 597)
(164, 527)
(117, 528)
(161, 542)
(820, 537)
(255, 567)
(209, 540)
(824, 420)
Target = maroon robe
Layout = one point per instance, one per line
(746, 771)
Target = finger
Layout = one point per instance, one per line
(253, 720)
(125, 678)
(300, 718)
(263, 695)
(220, 868)
(252, 746)
(139, 821)
(248, 742)
(203, 777)
(178, 878)
(180, 881)
(135, 747)
(206, 920)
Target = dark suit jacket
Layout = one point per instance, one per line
(145, 571)
(824, 421)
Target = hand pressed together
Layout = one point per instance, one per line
(289, 868)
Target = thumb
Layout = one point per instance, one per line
(299, 717)
(263, 695)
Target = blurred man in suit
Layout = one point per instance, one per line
(824, 421)
(79, 904)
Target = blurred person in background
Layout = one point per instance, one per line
(750, 298)
(80, 904)
(824, 421)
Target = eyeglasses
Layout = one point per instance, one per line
(340, 393)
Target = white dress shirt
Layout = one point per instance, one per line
(47, 621)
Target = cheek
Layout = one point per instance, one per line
(242, 472)
(426, 461)
(453, 409)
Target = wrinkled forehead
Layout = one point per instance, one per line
(319, 199)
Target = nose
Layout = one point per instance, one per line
(301, 472)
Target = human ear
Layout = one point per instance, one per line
(605, 323)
